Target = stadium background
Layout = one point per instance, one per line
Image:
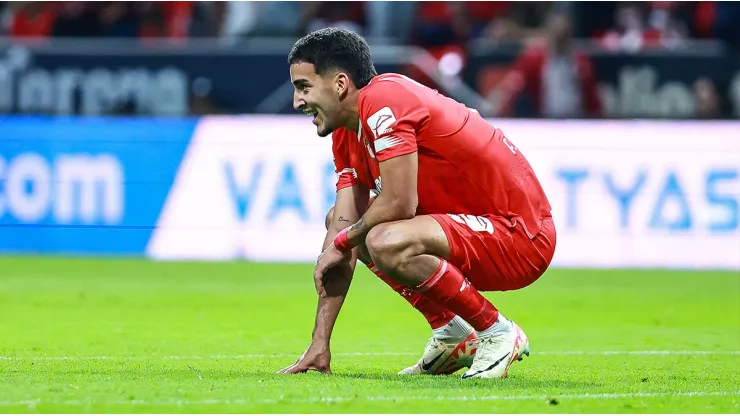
(164, 130)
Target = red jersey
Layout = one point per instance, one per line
(466, 165)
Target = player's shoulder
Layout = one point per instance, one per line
(380, 84)
(390, 90)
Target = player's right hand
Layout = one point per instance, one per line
(314, 359)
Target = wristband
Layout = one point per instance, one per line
(341, 242)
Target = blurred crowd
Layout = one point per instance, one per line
(613, 24)
(552, 70)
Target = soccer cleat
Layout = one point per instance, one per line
(497, 352)
(445, 358)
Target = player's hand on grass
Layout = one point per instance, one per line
(331, 257)
(314, 359)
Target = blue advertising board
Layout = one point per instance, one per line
(85, 185)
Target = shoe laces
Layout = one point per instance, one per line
(492, 343)
(431, 342)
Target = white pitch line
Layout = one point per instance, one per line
(282, 399)
(342, 354)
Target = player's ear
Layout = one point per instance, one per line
(341, 83)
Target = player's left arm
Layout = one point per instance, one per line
(397, 201)
(396, 117)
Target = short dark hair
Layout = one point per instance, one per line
(336, 49)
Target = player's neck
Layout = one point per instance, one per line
(351, 112)
(353, 124)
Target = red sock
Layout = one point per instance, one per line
(436, 315)
(447, 286)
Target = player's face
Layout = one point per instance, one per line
(315, 96)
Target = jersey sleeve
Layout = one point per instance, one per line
(395, 117)
(346, 174)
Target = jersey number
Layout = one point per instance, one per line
(475, 223)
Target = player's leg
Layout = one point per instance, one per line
(413, 252)
(436, 315)
(453, 342)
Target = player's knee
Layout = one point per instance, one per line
(378, 240)
(329, 217)
(389, 246)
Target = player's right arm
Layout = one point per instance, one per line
(351, 203)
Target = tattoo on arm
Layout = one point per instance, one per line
(357, 231)
(358, 226)
(342, 219)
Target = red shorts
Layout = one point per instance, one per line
(494, 254)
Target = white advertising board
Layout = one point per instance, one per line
(625, 194)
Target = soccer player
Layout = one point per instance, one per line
(458, 210)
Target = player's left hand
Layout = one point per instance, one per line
(316, 358)
(328, 259)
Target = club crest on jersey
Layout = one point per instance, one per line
(380, 123)
(370, 149)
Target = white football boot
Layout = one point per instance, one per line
(443, 357)
(497, 352)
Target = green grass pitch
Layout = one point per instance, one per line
(137, 336)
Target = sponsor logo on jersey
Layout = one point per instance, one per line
(381, 122)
